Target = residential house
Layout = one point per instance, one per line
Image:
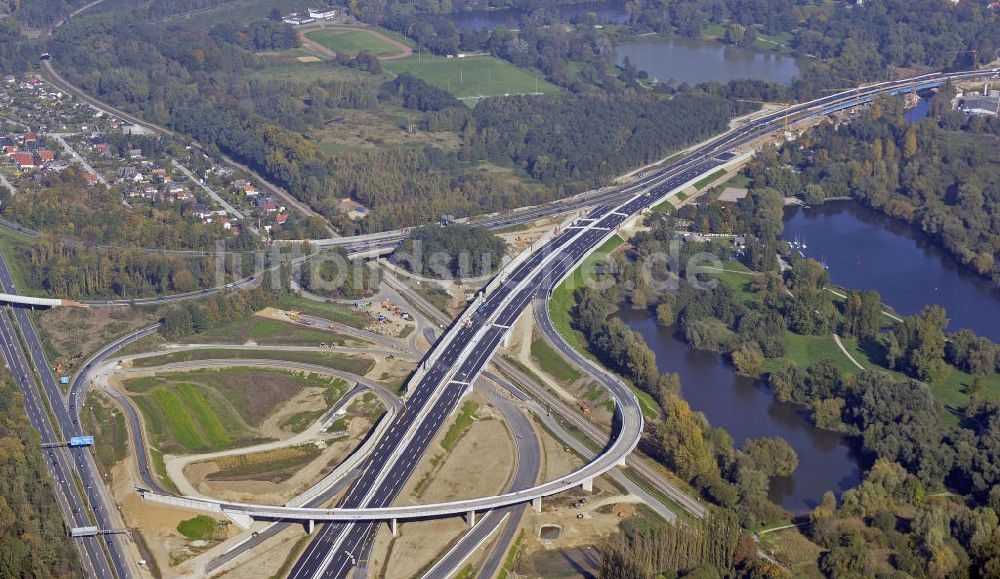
(266, 205)
(24, 160)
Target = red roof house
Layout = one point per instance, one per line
(24, 160)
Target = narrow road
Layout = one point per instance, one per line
(840, 345)
(83, 162)
(211, 193)
(58, 80)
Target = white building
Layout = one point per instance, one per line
(297, 20)
(325, 13)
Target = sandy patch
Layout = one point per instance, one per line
(732, 194)
(267, 558)
(418, 545)
(587, 525)
(308, 59)
(307, 400)
(272, 493)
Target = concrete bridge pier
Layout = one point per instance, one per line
(242, 521)
(588, 485)
(310, 525)
(621, 462)
(470, 518)
(537, 504)
(394, 527)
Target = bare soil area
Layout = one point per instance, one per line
(416, 548)
(278, 488)
(309, 399)
(463, 473)
(74, 334)
(267, 559)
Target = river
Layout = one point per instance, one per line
(867, 250)
(746, 409)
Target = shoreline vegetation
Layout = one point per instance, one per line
(922, 410)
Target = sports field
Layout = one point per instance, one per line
(472, 76)
(353, 41)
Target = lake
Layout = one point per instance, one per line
(693, 60)
(867, 250)
(688, 60)
(746, 409)
(864, 250)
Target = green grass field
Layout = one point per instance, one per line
(562, 302)
(353, 41)
(200, 528)
(473, 76)
(462, 423)
(552, 363)
(268, 332)
(180, 418)
(215, 409)
(332, 312)
(348, 363)
(705, 181)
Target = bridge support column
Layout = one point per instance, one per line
(242, 521)
(506, 339)
(621, 462)
(310, 525)
(588, 485)
(394, 527)
(470, 518)
(537, 504)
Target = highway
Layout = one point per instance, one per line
(337, 548)
(104, 556)
(460, 356)
(529, 457)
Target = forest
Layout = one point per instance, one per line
(33, 538)
(455, 251)
(940, 175)
(582, 141)
(197, 82)
(914, 455)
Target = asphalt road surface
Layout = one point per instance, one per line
(103, 555)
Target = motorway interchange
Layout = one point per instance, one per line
(456, 360)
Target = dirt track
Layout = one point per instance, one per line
(320, 49)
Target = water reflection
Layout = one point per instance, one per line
(694, 60)
(867, 250)
(746, 409)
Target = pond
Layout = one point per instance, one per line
(746, 409)
(693, 60)
(867, 250)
